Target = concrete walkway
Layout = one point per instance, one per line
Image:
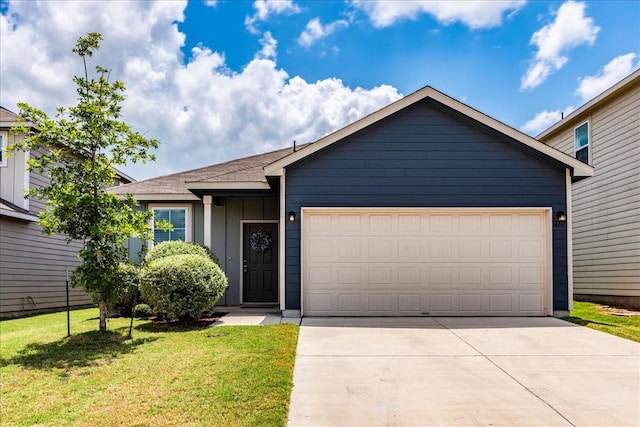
(462, 372)
(254, 316)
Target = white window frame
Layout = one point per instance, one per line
(588, 146)
(187, 224)
(4, 143)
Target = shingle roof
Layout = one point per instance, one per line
(246, 169)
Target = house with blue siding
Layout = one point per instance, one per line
(426, 207)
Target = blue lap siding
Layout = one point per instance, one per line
(425, 155)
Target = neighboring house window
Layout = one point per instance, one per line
(582, 143)
(178, 216)
(4, 141)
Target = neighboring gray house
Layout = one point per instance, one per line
(605, 133)
(425, 207)
(32, 265)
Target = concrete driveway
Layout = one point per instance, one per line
(462, 372)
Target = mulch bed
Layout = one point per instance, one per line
(619, 311)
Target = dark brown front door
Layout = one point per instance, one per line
(260, 262)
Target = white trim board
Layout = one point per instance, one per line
(569, 225)
(282, 236)
(18, 215)
(188, 235)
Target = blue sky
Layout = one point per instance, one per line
(217, 80)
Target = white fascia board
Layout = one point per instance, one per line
(164, 197)
(230, 185)
(604, 96)
(125, 176)
(14, 124)
(579, 168)
(18, 215)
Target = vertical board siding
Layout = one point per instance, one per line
(424, 156)
(606, 220)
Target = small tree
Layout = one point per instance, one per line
(79, 149)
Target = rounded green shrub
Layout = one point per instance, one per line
(127, 293)
(142, 311)
(178, 247)
(182, 286)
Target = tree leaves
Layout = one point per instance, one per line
(78, 150)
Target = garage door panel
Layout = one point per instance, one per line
(350, 303)
(424, 263)
(409, 224)
(410, 302)
(434, 275)
(531, 303)
(320, 224)
(417, 304)
(530, 249)
(320, 302)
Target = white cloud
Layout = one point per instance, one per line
(544, 119)
(473, 14)
(211, 3)
(315, 31)
(201, 111)
(571, 28)
(265, 8)
(617, 69)
(269, 46)
(588, 87)
(541, 121)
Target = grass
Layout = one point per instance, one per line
(166, 375)
(593, 316)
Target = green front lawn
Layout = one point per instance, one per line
(215, 376)
(594, 316)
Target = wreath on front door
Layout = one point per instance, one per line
(260, 240)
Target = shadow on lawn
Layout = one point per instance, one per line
(584, 322)
(81, 350)
(175, 326)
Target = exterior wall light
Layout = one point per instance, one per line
(292, 216)
(562, 217)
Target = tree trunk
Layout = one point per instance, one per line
(102, 305)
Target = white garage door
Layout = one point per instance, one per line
(417, 262)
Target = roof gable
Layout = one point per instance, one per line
(579, 169)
